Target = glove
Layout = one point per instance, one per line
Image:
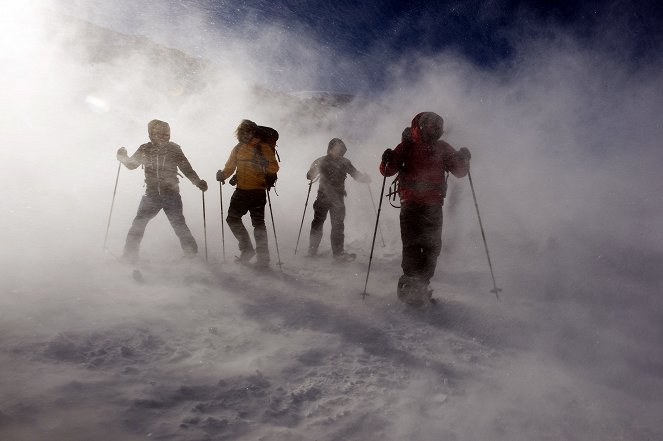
(464, 154)
(121, 154)
(202, 184)
(386, 156)
(233, 180)
(270, 180)
(220, 177)
(406, 137)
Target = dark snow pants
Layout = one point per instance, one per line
(421, 234)
(253, 202)
(335, 206)
(149, 207)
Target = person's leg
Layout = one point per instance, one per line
(412, 237)
(172, 206)
(320, 209)
(432, 243)
(148, 208)
(412, 285)
(257, 212)
(337, 217)
(238, 208)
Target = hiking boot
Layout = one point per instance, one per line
(262, 264)
(247, 254)
(413, 291)
(344, 257)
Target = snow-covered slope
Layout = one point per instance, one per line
(567, 178)
(218, 351)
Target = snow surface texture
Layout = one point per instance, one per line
(566, 164)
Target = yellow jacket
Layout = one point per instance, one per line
(252, 161)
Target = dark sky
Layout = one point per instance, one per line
(487, 33)
(484, 31)
(364, 39)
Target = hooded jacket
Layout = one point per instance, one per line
(333, 171)
(161, 164)
(422, 166)
(252, 161)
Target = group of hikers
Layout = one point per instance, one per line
(422, 161)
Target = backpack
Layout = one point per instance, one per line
(269, 136)
(395, 187)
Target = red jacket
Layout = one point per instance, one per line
(422, 170)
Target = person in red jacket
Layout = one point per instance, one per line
(423, 162)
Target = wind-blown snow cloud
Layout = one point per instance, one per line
(566, 157)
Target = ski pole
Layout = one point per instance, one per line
(276, 240)
(370, 192)
(117, 178)
(495, 289)
(304, 214)
(223, 234)
(375, 232)
(205, 226)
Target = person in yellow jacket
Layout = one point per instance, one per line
(254, 163)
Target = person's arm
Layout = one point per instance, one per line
(184, 165)
(272, 166)
(458, 161)
(357, 175)
(229, 168)
(314, 170)
(392, 160)
(137, 159)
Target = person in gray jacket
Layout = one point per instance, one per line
(332, 168)
(161, 160)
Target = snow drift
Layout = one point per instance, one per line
(565, 163)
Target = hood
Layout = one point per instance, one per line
(156, 128)
(427, 127)
(334, 142)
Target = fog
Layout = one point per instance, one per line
(566, 162)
